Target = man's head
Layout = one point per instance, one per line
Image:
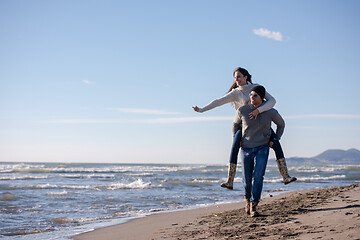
(257, 95)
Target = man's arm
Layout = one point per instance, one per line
(236, 127)
(237, 124)
(280, 123)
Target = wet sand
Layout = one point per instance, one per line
(328, 213)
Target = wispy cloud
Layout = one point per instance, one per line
(143, 111)
(150, 120)
(190, 119)
(328, 116)
(277, 36)
(187, 119)
(86, 81)
(83, 121)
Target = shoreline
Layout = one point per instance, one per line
(162, 221)
(304, 214)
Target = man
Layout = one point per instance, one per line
(255, 145)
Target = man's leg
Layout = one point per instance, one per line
(261, 158)
(247, 158)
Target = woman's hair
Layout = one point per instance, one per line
(244, 72)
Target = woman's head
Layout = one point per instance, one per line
(242, 77)
(242, 72)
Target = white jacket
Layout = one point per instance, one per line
(239, 97)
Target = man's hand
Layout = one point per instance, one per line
(271, 144)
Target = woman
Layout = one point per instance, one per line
(238, 95)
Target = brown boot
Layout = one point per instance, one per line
(284, 171)
(231, 175)
(247, 207)
(253, 212)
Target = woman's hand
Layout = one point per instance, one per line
(196, 109)
(254, 114)
(271, 144)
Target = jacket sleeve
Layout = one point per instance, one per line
(280, 123)
(237, 123)
(269, 104)
(230, 97)
(236, 127)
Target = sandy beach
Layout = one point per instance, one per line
(328, 213)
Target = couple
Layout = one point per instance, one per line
(252, 132)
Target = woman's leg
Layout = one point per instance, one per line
(276, 145)
(233, 161)
(280, 159)
(235, 147)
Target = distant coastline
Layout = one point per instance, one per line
(334, 156)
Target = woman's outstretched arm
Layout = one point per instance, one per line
(230, 97)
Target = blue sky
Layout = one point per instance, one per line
(114, 81)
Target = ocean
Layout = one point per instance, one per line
(60, 200)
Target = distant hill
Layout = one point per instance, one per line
(332, 156)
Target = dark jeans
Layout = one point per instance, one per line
(236, 146)
(254, 161)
